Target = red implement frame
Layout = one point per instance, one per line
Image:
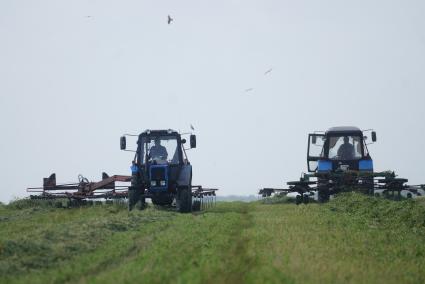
(84, 189)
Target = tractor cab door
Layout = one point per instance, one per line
(315, 150)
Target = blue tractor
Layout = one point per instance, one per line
(340, 160)
(162, 172)
(337, 160)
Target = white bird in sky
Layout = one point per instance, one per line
(249, 89)
(268, 71)
(170, 19)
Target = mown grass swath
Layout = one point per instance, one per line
(353, 238)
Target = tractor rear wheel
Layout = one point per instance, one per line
(184, 200)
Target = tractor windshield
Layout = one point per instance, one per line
(160, 150)
(345, 147)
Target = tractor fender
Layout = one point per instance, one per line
(185, 176)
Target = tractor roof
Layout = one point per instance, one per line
(161, 132)
(343, 129)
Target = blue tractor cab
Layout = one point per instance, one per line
(341, 148)
(339, 159)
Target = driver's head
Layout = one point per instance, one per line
(157, 141)
(346, 139)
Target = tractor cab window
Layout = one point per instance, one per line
(160, 150)
(316, 146)
(345, 147)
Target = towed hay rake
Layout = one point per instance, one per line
(339, 161)
(87, 192)
(83, 189)
(385, 184)
(204, 198)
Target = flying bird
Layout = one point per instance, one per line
(249, 90)
(191, 127)
(268, 71)
(170, 19)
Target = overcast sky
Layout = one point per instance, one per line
(75, 75)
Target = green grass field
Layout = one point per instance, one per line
(353, 238)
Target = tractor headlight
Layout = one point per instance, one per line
(162, 183)
(153, 183)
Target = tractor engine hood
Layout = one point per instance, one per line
(326, 165)
(158, 177)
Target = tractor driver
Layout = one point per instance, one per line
(346, 151)
(158, 151)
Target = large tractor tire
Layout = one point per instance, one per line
(133, 197)
(142, 202)
(136, 197)
(184, 201)
(323, 194)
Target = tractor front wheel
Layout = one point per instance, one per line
(134, 196)
(184, 200)
(142, 203)
(323, 194)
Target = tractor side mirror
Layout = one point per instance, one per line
(192, 141)
(123, 143)
(373, 136)
(314, 139)
(183, 141)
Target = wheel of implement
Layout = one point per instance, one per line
(184, 201)
(72, 203)
(196, 206)
(298, 199)
(368, 185)
(306, 199)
